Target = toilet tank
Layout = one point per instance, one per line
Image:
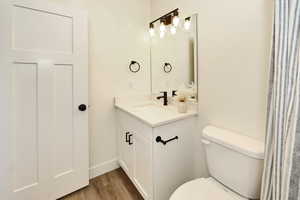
(234, 160)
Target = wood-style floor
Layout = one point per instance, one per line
(114, 185)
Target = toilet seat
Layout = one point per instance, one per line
(204, 189)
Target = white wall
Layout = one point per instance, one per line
(117, 34)
(234, 38)
(234, 41)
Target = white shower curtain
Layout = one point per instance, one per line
(279, 178)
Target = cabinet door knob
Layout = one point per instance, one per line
(82, 107)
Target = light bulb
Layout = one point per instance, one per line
(187, 23)
(162, 34)
(175, 21)
(152, 32)
(173, 30)
(162, 27)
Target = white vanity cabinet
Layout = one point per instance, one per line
(155, 169)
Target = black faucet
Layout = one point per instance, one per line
(165, 97)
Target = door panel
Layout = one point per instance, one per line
(30, 129)
(24, 125)
(27, 24)
(63, 133)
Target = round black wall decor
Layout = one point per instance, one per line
(168, 67)
(134, 66)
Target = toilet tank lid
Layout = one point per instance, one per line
(240, 143)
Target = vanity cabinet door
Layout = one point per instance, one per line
(143, 165)
(173, 164)
(135, 152)
(127, 153)
(125, 143)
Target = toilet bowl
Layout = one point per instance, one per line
(235, 163)
(204, 188)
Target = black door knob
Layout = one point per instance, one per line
(82, 107)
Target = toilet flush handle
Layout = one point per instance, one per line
(205, 142)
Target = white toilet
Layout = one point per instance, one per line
(235, 163)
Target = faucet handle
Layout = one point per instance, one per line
(174, 93)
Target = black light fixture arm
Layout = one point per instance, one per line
(164, 16)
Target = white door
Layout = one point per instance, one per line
(44, 74)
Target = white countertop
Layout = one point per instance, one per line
(153, 113)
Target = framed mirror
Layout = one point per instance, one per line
(174, 63)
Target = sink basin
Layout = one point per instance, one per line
(154, 110)
(154, 113)
(147, 104)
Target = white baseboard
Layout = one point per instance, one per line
(103, 168)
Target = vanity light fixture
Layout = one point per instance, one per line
(170, 18)
(151, 30)
(187, 23)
